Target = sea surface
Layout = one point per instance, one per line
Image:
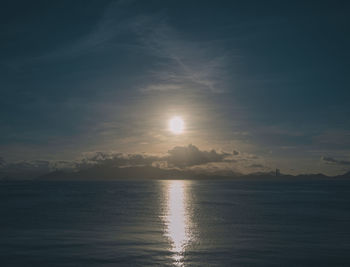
(175, 223)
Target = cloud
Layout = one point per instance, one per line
(161, 88)
(331, 160)
(181, 162)
(182, 64)
(117, 160)
(42, 165)
(25, 169)
(180, 159)
(63, 165)
(190, 156)
(256, 166)
(33, 168)
(2, 161)
(113, 22)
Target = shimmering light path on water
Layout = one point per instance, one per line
(177, 220)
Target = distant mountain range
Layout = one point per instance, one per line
(148, 172)
(99, 172)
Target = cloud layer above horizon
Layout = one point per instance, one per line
(181, 158)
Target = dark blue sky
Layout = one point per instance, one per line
(269, 79)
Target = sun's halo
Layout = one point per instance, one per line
(176, 125)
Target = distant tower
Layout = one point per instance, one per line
(278, 172)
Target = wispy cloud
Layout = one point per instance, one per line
(331, 160)
(256, 166)
(112, 22)
(183, 64)
(2, 161)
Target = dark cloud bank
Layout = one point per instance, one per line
(181, 162)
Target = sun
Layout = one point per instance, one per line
(176, 125)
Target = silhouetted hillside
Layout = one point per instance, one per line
(111, 173)
(99, 172)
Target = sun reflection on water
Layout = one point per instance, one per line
(178, 225)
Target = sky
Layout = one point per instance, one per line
(259, 84)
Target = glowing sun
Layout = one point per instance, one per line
(176, 125)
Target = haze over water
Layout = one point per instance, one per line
(175, 223)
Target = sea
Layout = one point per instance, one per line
(247, 222)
